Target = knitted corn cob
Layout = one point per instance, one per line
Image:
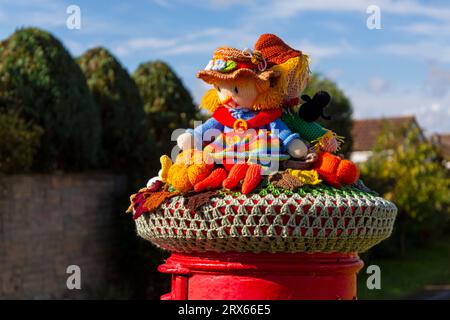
(252, 178)
(166, 163)
(213, 181)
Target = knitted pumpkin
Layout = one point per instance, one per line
(190, 167)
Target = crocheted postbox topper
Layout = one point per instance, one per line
(260, 174)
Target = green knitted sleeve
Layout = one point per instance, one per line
(309, 131)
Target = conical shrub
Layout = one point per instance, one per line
(39, 79)
(126, 139)
(167, 103)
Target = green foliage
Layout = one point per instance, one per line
(409, 174)
(340, 109)
(125, 139)
(19, 142)
(167, 102)
(404, 277)
(39, 77)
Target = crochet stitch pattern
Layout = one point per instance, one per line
(323, 220)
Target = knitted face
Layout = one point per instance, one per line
(237, 93)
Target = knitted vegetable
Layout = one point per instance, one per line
(252, 178)
(347, 172)
(188, 170)
(213, 181)
(236, 174)
(178, 178)
(197, 173)
(336, 171)
(166, 163)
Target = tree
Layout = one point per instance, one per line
(40, 80)
(340, 109)
(167, 102)
(126, 141)
(409, 174)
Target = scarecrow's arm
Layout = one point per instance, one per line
(283, 132)
(205, 132)
(313, 133)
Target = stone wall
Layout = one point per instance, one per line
(48, 222)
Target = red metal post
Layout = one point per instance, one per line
(262, 276)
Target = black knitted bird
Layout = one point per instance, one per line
(313, 108)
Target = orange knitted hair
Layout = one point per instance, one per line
(292, 64)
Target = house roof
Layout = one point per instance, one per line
(366, 131)
(442, 141)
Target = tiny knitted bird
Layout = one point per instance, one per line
(313, 108)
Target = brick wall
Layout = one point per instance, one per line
(48, 222)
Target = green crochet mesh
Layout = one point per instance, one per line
(307, 130)
(315, 219)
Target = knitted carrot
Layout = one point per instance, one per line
(213, 181)
(236, 174)
(252, 178)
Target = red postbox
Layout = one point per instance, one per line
(262, 276)
(276, 247)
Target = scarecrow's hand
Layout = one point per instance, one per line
(297, 149)
(331, 145)
(185, 141)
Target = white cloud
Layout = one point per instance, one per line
(317, 52)
(163, 3)
(144, 43)
(378, 85)
(203, 41)
(287, 8)
(43, 14)
(427, 29)
(438, 79)
(221, 4)
(428, 50)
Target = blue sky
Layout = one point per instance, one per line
(401, 69)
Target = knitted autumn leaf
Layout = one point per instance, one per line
(147, 201)
(197, 200)
(156, 199)
(285, 180)
(310, 177)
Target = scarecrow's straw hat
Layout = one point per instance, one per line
(230, 64)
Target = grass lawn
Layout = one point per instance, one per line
(408, 275)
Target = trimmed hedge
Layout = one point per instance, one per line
(126, 141)
(19, 142)
(167, 102)
(39, 78)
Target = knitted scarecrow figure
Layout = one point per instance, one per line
(249, 135)
(214, 197)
